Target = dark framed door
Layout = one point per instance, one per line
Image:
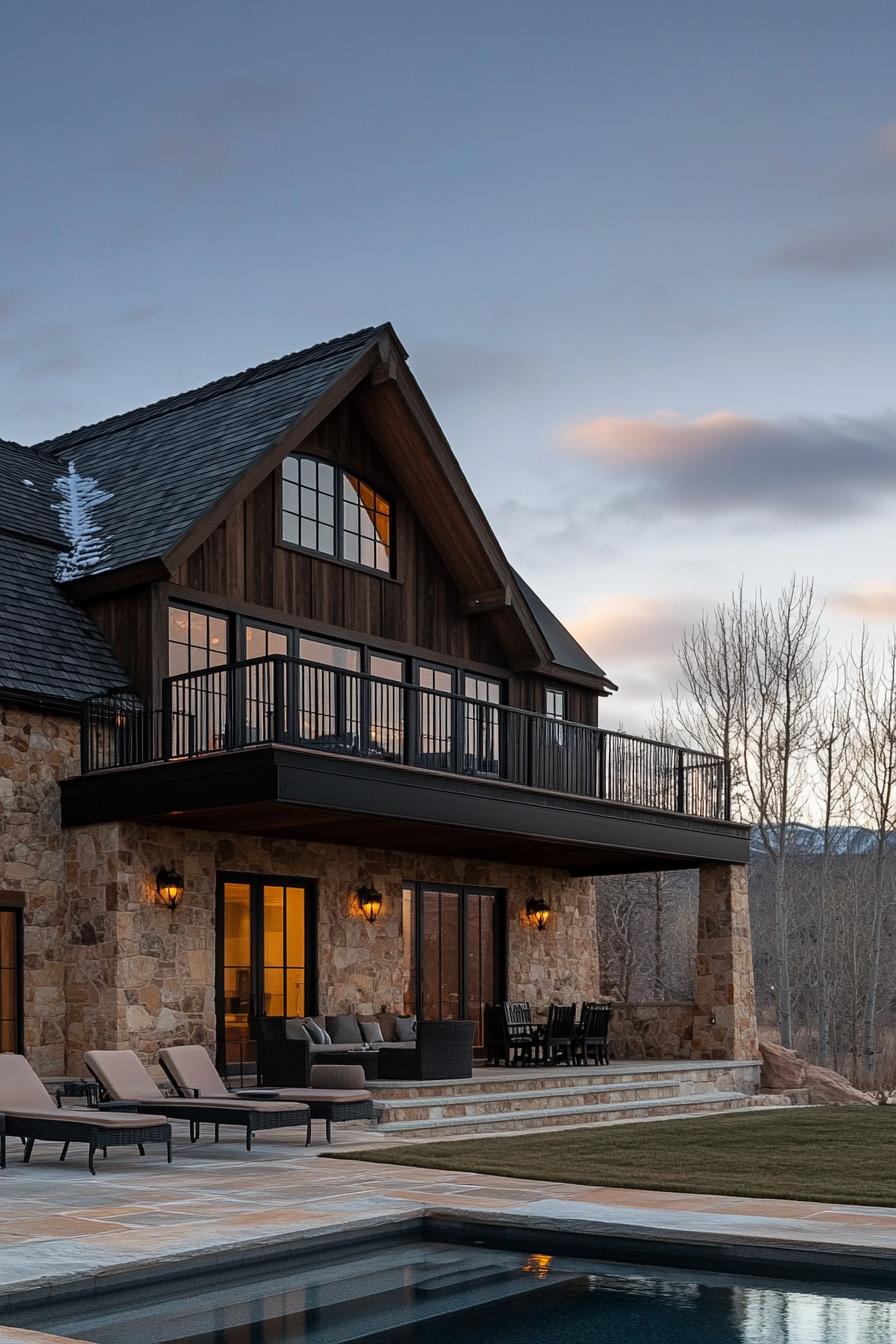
(11, 997)
(266, 954)
(459, 951)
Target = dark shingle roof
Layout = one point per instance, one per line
(27, 493)
(48, 646)
(565, 651)
(167, 464)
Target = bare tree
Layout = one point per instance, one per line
(874, 745)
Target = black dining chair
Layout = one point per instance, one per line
(557, 1041)
(591, 1039)
(520, 1034)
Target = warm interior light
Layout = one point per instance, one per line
(170, 887)
(369, 902)
(538, 912)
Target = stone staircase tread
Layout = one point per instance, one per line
(490, 1098)
(692, 1100)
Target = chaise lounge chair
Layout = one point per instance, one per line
(339, 1094)
(31, 1114)
(123, 1077)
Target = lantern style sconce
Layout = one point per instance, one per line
(369, 901)
(170, 888)
(538, 912)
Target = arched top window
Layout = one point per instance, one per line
(335, 513)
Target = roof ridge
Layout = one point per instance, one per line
(48, 448)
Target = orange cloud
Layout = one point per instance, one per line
(619, 438)
(872, 601)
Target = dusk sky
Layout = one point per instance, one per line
(643, 257)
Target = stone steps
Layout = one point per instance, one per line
(500, 1103)
(511, 1120)
(727, 1075)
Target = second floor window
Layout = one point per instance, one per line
(335, 513)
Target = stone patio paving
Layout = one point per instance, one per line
(58, 1224)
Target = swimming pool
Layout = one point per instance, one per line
(422, 1292)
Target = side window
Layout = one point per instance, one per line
(196, 640)
(554, 703)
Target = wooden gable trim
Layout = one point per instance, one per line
(288, 442)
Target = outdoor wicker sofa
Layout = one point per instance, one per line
(337, 1091)
(441, 1050)
(31, 1114)
(123, 1077)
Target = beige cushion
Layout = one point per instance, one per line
(337, 1076)
(20, 1088)
(318, 1094)
(191, 1069)
(122, 1075)
(110, 1119)
(235, 1104)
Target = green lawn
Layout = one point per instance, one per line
(842, 1154)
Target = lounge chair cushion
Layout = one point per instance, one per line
(84, 1115)
(20, 1088)
(307, 1094)
(122, 1075)
(191, 1069)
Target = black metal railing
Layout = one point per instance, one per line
(297, 703)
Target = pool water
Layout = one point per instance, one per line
(432, 1293)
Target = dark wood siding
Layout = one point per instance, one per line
(129, 620)
(242, 560)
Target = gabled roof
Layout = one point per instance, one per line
(173, 469)
(167, 464)
(565, 650)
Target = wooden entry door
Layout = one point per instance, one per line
(460, 958)
(11, 1027)
(266, 958)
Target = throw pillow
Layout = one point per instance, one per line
(343, 1029)
(406, 1028)
(294, 1029)
(387, 1026)
(372, 1032)
(317, 1034)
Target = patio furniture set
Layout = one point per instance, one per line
(126, 1107)
(514, 1037)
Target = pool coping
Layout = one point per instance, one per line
(601, 1238)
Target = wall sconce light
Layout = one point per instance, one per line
(538, 912)
(369, 902)
(170, 887)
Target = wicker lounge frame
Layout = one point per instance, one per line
(198, 1111)
(336, 1092)
(97, 1137)
(443, 1050)
(30, 1115)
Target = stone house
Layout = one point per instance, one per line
(282, 731)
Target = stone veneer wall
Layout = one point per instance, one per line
(725, 1011)
(36, 750)
(659, 1030)
(144, 978)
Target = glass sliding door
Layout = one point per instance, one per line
(329, 700)
(454, 951)
(482, 729)
(260, 641)
(435, 713)
(386, 707)
(266, 945)
(10, 980)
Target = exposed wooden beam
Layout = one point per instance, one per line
(477, 604)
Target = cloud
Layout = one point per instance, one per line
(726, 464)
(633, 636)
(856, 246)
(870, 602)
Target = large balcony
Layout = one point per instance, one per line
(336, 741)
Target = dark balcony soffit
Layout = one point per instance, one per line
(308, 795)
